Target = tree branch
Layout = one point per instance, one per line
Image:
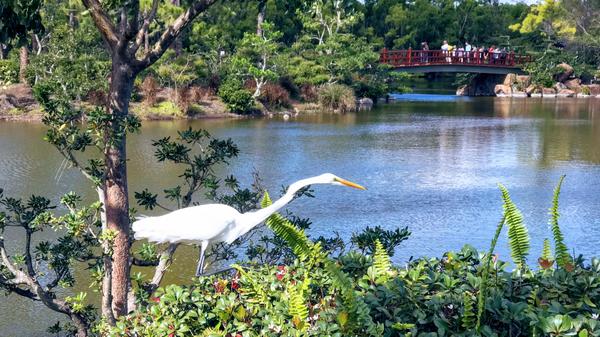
(36, 292)
(166, 258)
(102, 22)
(171, 33)
(19, 276)
(133, 24)
(28, 259)
(139, 39)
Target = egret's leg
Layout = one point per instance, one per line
(200, 267)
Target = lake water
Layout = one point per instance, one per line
(431, 163)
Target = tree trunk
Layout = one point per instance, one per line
(262, 7)
(23, 61)
(117, 203)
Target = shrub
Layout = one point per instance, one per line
(336, 97)
(586, 90)
(237, 99)
(288, 84)
(366, 89)
(149, 89)
(308, 93)
(427, 297)
(9, 71)
(96, 97)
(274, 96)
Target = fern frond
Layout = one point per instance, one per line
(561, 251)
(353, 304)
(255, 287)
(547, 251)
(313, 253)
(468, 319)
(292, 235)
(297, 307)
(381, 262)
(518, 236)
(481, 297)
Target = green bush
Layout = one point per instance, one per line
(9, 71)
(336, 97)
(430, 297)
(237, 99)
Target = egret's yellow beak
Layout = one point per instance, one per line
(349, 183)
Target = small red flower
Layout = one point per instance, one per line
(172, 334)
(235, 282)
(281, 271)
(155, 299)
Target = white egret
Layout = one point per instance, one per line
(206, 225)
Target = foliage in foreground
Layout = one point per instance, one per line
(431, 297)
(462, 294)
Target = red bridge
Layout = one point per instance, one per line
(436, 61)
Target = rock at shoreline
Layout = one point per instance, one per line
(566, 93)
(364, 103)
(565, 74)
(502, 90)
(548, 92)
(594, 89)
(510, 79)
(573, 84)
(16, 96)
(558, 86)
(532, 89)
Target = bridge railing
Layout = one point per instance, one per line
(410, 58)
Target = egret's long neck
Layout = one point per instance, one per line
(251, 219)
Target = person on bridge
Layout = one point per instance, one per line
(445, 50)
(425, 53)
(468, 49)
(492, 54)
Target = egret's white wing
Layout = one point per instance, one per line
(191, 224)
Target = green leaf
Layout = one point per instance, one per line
(518, 236)
(562, 253)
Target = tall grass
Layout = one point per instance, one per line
(336, 97)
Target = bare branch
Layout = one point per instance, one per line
(166, 258)
(133, 24)
(102, 22)
(139, 39)
(19, 276)
(171, 33)
(28, 258)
